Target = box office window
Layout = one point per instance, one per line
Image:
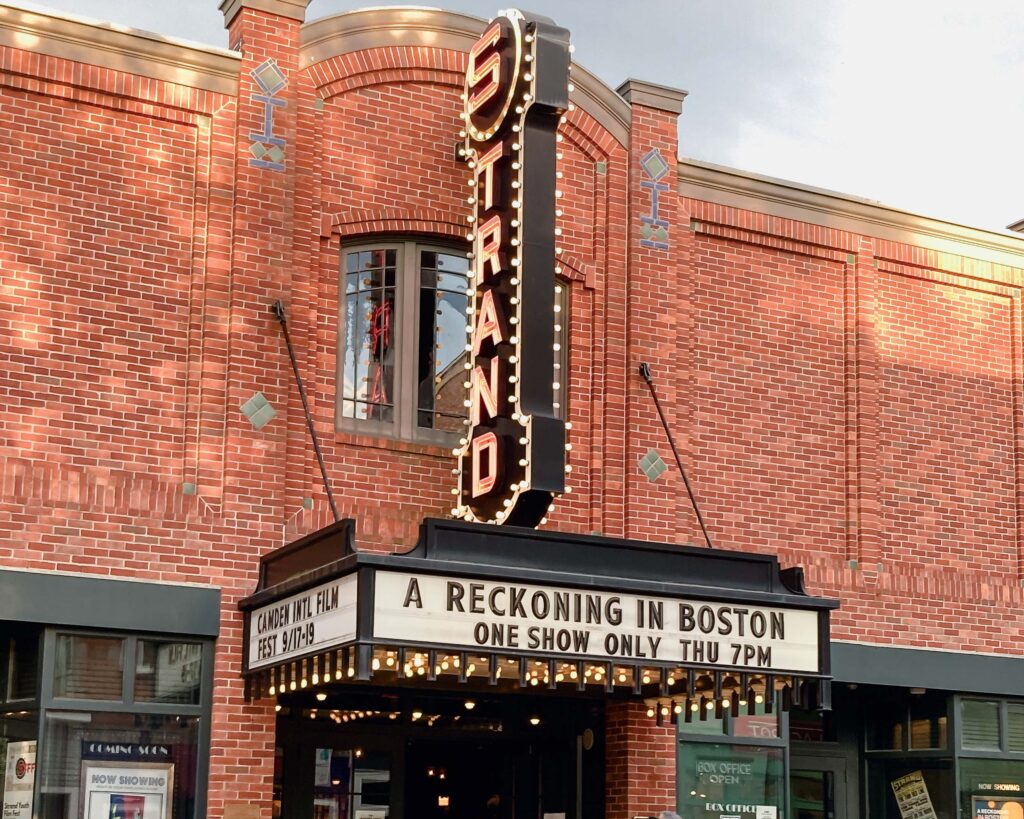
(402, 340)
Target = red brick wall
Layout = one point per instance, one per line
(848, 402)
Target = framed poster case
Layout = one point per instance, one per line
(127, 790)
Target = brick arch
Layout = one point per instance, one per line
(428, 221)
(363, 221)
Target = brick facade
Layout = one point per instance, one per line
(846, 389)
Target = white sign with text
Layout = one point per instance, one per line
(315, 619)
(487, 615)
(19, 779)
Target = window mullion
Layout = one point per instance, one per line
(408, 341)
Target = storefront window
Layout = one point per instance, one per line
(88, 667)
(111, 764)
(928, 723)
(168, 672)
(899, 787)
(992, 788)
(716, 780)
(979, 725)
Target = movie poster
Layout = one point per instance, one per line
(19, 779)
(988, 807)
(127, 790)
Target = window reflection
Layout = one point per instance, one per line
(369, 359)
(442, 340)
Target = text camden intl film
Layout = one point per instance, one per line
(512, 458)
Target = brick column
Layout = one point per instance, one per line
(259, 378)
(640, 762)
(657, 323)
(640, 755)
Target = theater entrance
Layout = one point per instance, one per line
(360, 754)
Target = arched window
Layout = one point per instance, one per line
(402, 340)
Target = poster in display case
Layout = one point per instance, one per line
(989, 807)
(127, 790)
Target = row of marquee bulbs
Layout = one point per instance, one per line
(417, 665)
(469, 153)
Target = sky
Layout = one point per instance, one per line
(918, 104)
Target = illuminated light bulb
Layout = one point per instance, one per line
(556, 346)
(515, 166)
(622, 676)
(558, 328)
(513, 300)
(758, 699)
(512, 399)
(513, 320)
(528, 76)
(558, 137)
(471, 164)
(524, 441)
(558, 174)
(506, 503)
(515, 242)
(694, 707)
(456, 513)
(514, 281)
(466, 403)
(528, 58)
(455, 491)
(523, 462)
(327, 676)
(726, 703)
(469, 348)
(515, 223)
(515, 129)
(572, 48)
(558, 309)
(470, 705)
(558, 194)
(646, 679)
(417, 715)
(710, 705)
(471, 200)
(512, 379)
(499, 515)
(543, 521)
(390, 661)
(533, 682)
(571, 89)
(572, 106)
(563, 119)
(470, 668)
(514, 339)
(516, 203)
(558, 156)
(315, 679)
(469, 237)
(421, 671)
(572, 674)
(516, 146)
(527, 96)
(512, 359)
(558, 213)
(321, 697)
(677, 708)
(528, 38)
(568, 489)
(558, 231)
(555, 385)
(471, 218)
(515, 416)
(568, 468)
(467, 366)
(519, 110)
(303, 683)
(664, 710)
(568, 424)
(515, 183)
(462, 114)
(277, 707)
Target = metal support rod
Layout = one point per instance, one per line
(278, 310)
(645, 372)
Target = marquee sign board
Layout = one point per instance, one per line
(512, 460)
(493, 616)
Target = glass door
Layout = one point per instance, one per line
(817, 787)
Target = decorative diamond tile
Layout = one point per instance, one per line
(654, 165)
(269, 77)
(276, 154)
(259, 411)
(258, 150)
(188, 488)
(652, 465)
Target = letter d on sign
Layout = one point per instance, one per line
(485, 447)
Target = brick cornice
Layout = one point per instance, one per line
(119, 48)
(789, 200)
(430, 28)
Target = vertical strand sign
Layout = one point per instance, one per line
(512, 459)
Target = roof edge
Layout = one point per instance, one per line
(120, 48)
(784, 198)
(420, 26)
